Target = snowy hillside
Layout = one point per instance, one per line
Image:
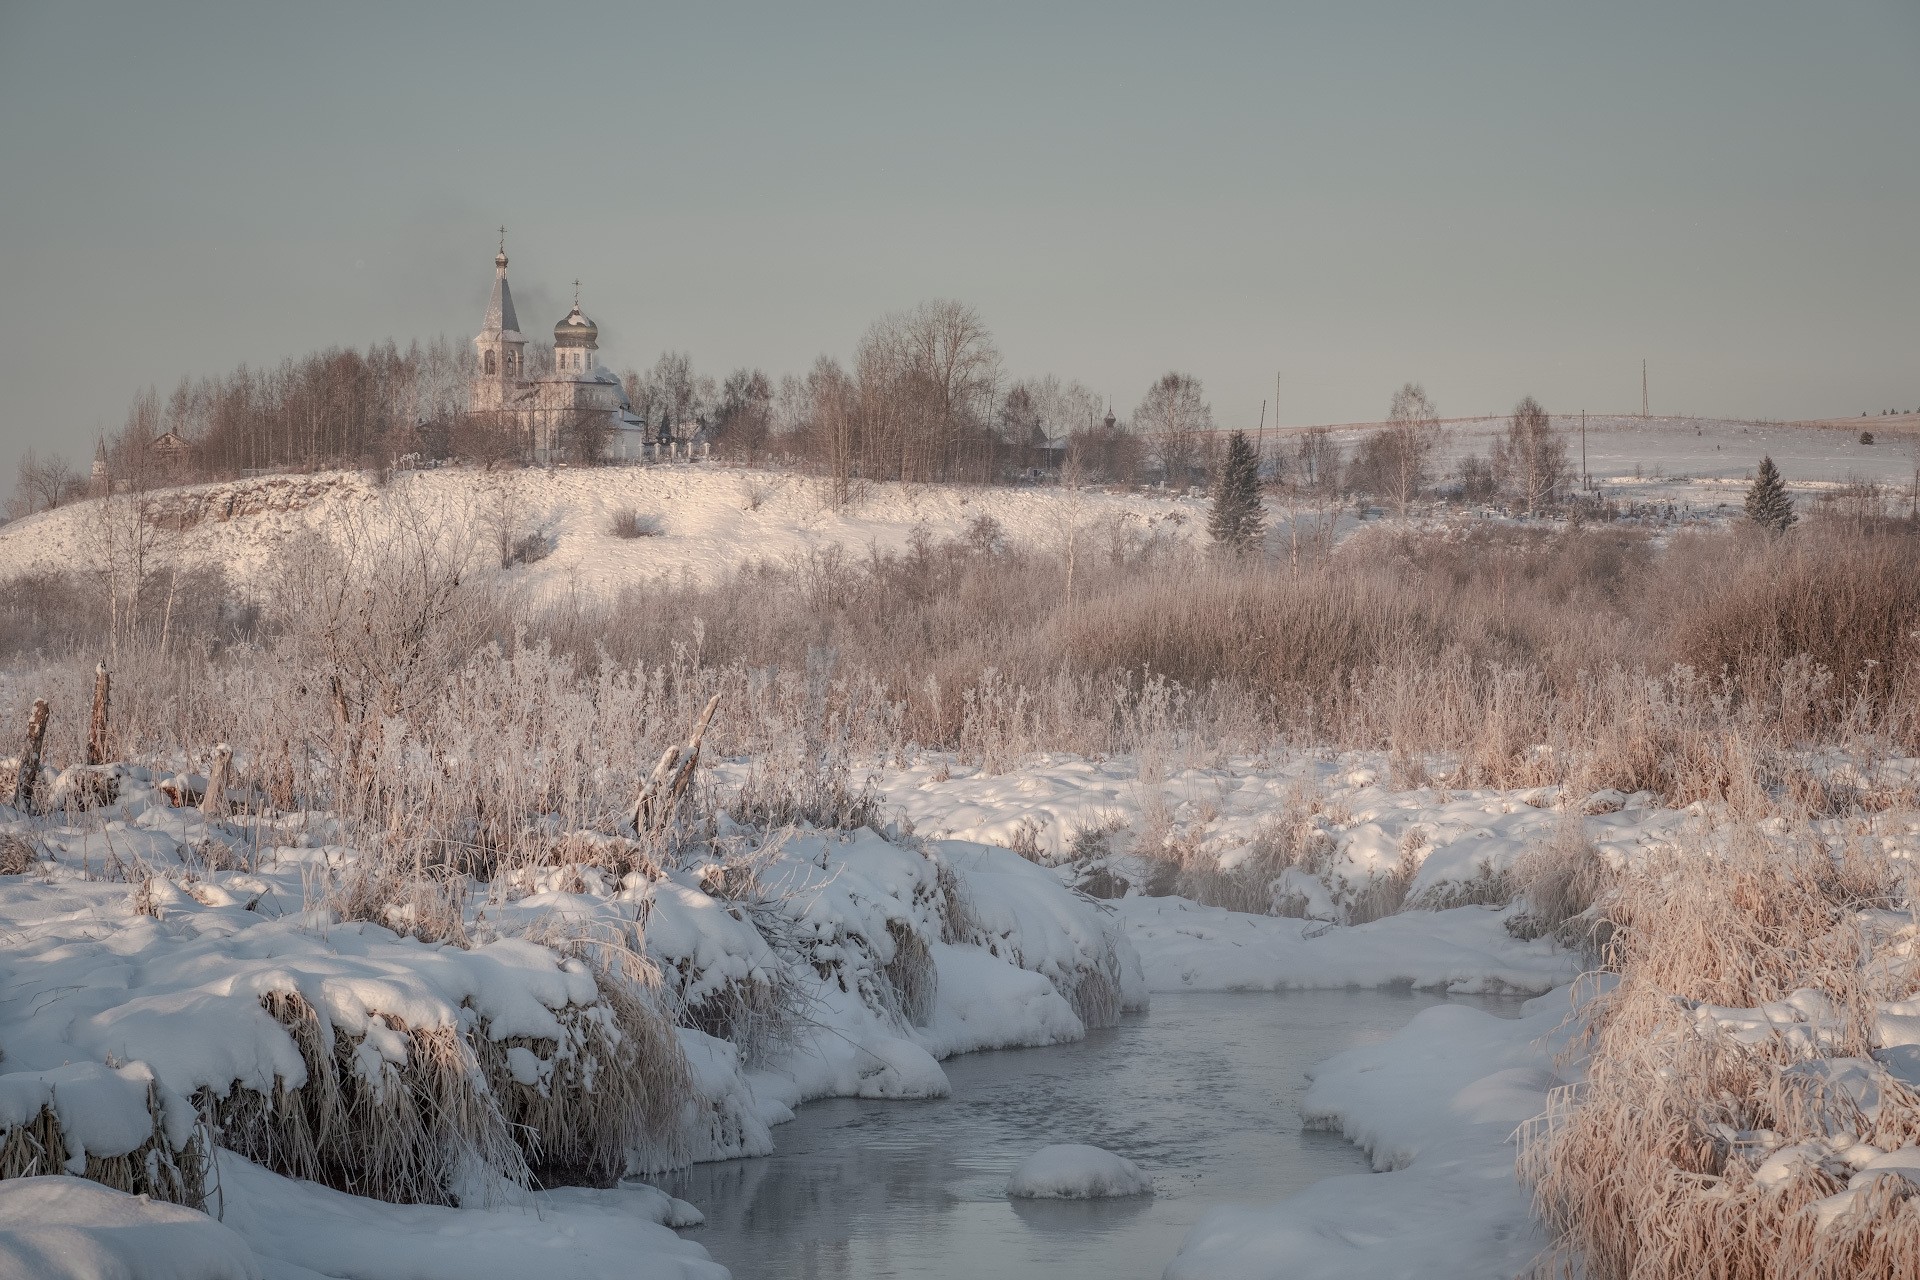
(709, 519)
(706, 519)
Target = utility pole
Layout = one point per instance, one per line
(1586, 477)
(1643, 389)
(1280, 441)
(1260, 443)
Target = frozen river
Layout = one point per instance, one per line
(1203, 1091)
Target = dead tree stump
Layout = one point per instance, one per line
(97, 727)
(214, 802)
(27, 781)
(660, 797)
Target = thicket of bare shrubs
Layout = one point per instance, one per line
(385, 681)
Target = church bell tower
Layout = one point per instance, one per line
(502, 349)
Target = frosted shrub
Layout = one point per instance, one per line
(1561, 881)
(625, 522)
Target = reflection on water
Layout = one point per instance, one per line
(1203, 1091)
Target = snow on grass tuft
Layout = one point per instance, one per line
(1076, 1171)
(118, 1127)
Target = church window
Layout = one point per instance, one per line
(489, 362)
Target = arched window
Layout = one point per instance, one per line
(490, 362)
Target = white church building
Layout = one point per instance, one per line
(545, 407)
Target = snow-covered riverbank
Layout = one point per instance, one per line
(173, 982)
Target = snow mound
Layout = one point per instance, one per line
(1076, 1171)
(59, 1228)
(1021, 913)
(572, 1233)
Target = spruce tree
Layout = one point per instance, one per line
(1237, 523)
(1767, 502)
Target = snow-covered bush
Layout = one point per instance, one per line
(1022, 913)
(625, 522)
(119, 1127)
(1560, 881)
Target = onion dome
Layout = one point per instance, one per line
(576, 330)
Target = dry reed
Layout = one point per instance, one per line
(1657, 1165)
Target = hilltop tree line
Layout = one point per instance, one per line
(925, 397)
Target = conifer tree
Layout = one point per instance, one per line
(1237, 522)
(1767, 502)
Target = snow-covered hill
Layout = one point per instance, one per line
(709, 519)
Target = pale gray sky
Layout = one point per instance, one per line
(1492, 198)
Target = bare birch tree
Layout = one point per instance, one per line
(1530, 461)
(1177, 424)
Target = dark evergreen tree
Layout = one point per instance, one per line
(1767, 502)
(1237, 523)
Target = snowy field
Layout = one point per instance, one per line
(1700, 463)
(1697, 464)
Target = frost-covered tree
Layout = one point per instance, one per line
(925, 383)
(1176, 422)
(42, 485)
(674, 401)
(1395, 462)
(743, 418)
(1237, 522)
(1767, 502)
(1412, 431)
(1530, 462)
(1020, 422)
(1317, 459)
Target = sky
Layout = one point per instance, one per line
(1330, 199)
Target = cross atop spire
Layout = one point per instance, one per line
(503, 238)
(576, 293)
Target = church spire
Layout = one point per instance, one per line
(499, 345)
(500, 315)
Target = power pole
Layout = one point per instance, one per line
(1260, 442)
(1586, 477)
(1643, 389)
(1280, 441)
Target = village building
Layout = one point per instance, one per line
(578, 408)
